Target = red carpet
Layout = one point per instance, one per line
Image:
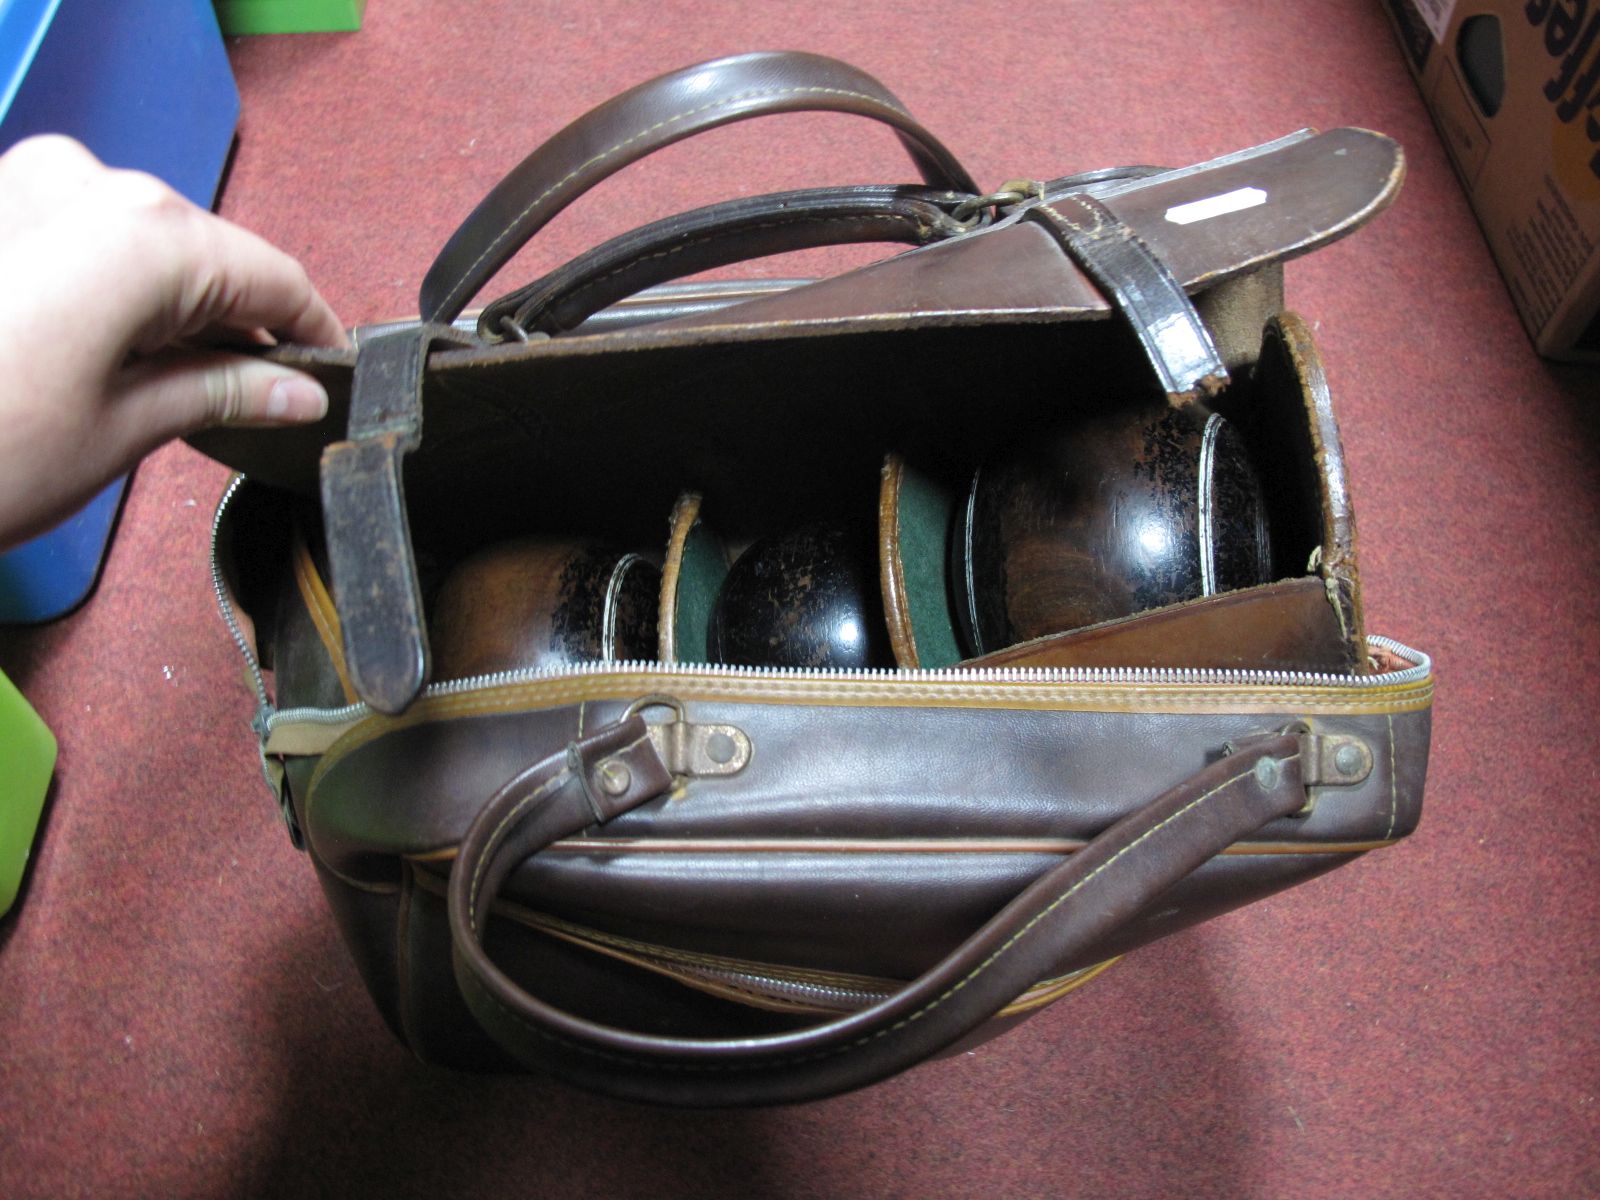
(179, 1018)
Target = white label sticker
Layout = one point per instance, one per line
(1216, 206)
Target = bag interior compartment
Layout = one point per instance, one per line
(793, 434)
(779, 432)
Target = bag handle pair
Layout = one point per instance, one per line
(1062, 915)
(682, 103)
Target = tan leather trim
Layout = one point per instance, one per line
(1050, 990)
(324, 615)
(684, 515)
(890, 692)
(891, 570)
(302, 738)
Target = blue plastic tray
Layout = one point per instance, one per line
(144, 84)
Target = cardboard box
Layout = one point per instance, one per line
(1514, 88)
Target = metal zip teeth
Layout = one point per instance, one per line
(319, 716)
(1209, 676)
(1091, 677)
(226, 609)
(789, 988)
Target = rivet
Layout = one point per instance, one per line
(614, 778)
(1268, 771)
(720, 748)
(1349, 759)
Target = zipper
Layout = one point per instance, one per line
(779, 991)
(225, 607)
(1421, 667)
(763, 985)
(270, 717)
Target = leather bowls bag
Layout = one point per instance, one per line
(1113, 673)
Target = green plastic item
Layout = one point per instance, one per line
(27, 760)
(289, 16)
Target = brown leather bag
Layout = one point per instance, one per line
(693, 883)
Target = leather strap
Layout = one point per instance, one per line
(1141, 289)
(1062, 914)
(364, 515)
(645, 119)
(715, 236)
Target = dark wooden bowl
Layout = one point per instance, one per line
(805, 598)
(1130, 509)
(538, 602)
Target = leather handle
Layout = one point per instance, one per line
(732, 231)
(1062, 914)
(716, 236)
(645, 119)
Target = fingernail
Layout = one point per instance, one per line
(296, 398)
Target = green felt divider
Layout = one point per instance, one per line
(699, 577)
(926, 508)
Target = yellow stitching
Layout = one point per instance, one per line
(1170, 699)
(1099, 221)
(1066, 895)
(515, 815)
(725, 101)
(499, 831)
(482, 989)
(1126, 696)
(680, 247)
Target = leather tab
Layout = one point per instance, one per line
(364, 517)
(1143, 290)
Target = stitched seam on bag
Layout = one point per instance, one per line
(1129, 696)
(1098, 227)
(636, 1060)
(499, 833)
(1109, 698)
(454, 294)
(690, 244)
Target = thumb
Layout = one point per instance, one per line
(173, 395)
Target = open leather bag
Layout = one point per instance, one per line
(670, 875)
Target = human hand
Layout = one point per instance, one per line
(119, 300)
